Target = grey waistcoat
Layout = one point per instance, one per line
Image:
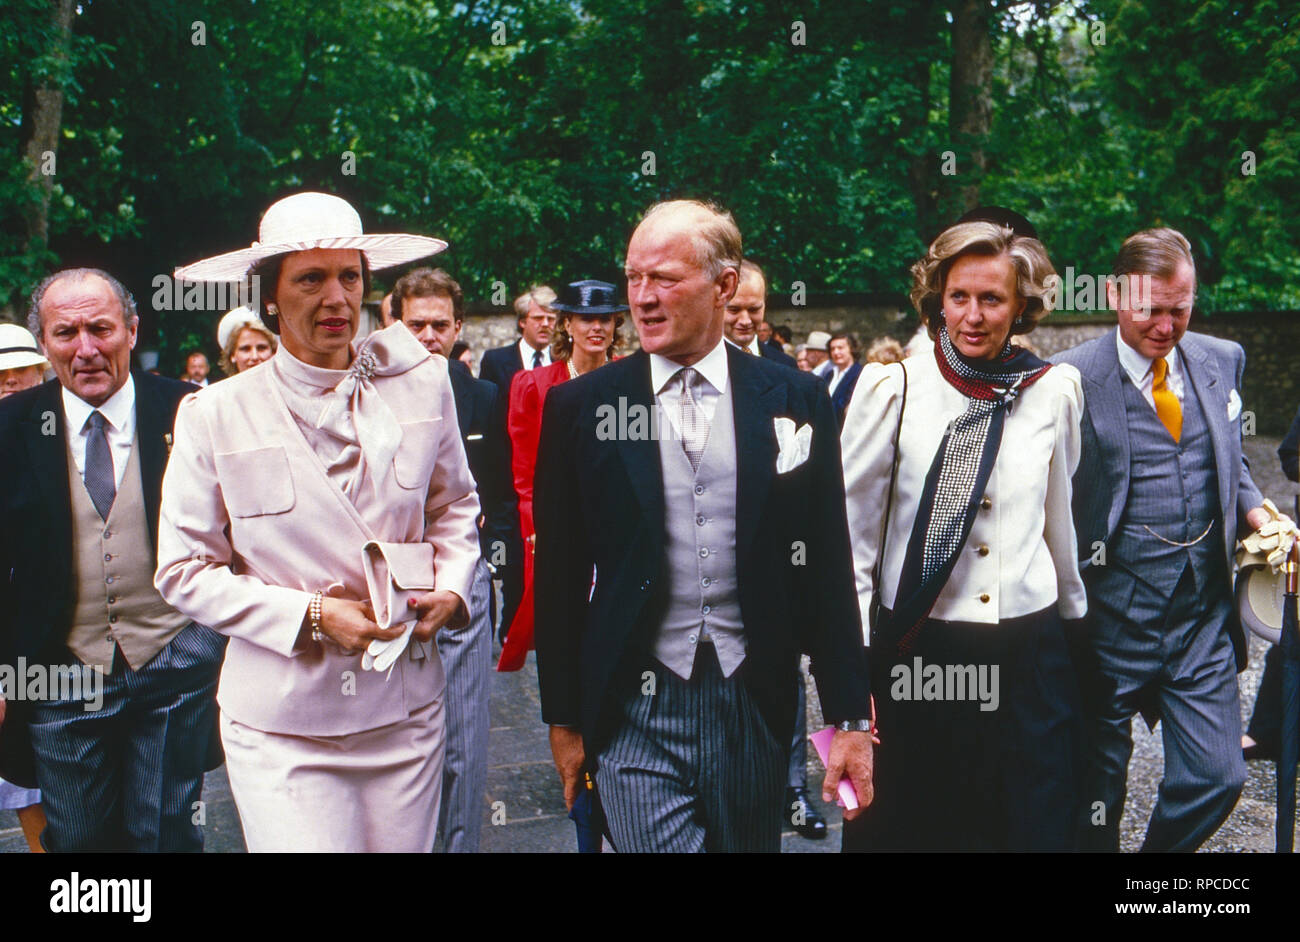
(1173, 490)
(700, 549)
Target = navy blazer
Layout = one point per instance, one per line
(481, 415)
(600, 504)
(772, 351)
(1289, 451)
(499, 367)
(1213, 370)
(844, 391)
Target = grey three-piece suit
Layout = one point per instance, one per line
(1157, 523)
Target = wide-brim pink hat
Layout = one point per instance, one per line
(312, 221)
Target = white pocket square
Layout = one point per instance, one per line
(1234, 406)
(793, 446)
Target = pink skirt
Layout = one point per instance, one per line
(377, 790)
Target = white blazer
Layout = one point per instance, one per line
(1020, 555)
(250, 526)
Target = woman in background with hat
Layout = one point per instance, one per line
(590, 315)
(244, 341)
(21, 363)
(287, 487)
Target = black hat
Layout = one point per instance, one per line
(588, 297)
(1001, 216)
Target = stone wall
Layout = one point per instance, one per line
(1270, 388)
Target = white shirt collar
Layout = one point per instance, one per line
(1138, 366)
(751, 347)
(117, 410)
(713, 367)
(526, 352)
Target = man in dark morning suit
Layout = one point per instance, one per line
(1161, 494)
(533, 349)
(432, 306)
(745, 313)
(119, 758)
(719, 545)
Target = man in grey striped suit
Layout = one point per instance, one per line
(432, 306)
(691, 543)
(1161, 494)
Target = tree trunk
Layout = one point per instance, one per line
(42, 120)
(970, 94)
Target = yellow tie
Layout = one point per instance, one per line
(1168, 408)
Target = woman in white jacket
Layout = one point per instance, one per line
(975, 698)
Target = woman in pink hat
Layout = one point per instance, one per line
(318, 510)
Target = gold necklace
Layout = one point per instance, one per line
(573, 370)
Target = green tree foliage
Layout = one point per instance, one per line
(524, 133)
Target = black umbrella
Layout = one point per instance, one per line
(1289, 751)
(588, 817)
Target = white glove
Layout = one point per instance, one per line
(381, 654)
(1274, 539)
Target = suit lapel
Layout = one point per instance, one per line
(755, 401)
(1203, 379)
(151, 426)
(47, 456)
(1105, 402)
(462, 391)
(640, 456)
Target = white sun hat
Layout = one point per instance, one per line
(235, 320)
(312, 221)
(18, 348)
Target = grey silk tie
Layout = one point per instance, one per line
(101, 483)
(695, 427)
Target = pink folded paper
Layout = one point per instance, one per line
(821, 740)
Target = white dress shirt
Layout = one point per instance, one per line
(668, 386)
(119, 427)
(836, 376)
(1020, 555)
(1138, 368)
(526, 354)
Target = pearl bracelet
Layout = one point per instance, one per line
(313, 613)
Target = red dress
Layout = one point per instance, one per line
(524, 423)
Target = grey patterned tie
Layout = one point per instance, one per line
(100, 480)
(695, 427)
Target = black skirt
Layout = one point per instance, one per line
(972, 758)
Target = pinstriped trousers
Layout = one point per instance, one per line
(127, 776)
(467, 660)
(693, 767)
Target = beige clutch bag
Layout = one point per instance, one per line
(395, 572)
